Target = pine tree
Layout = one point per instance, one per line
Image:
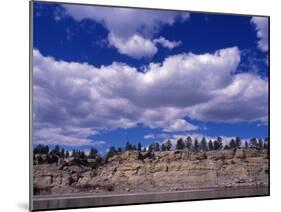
(237, 142)
(150, 148)
(220, 142)
(246, 144)
(169, 145)
(232, 144)
(139, 146)
(188, 143)
(156, 147)
(260, 144)
(41, 149)
(210, 145)
(82, 154)
(74, 155)
(204, 144)
(111, 152)
(266, 143)
(67, 154)
(62, 153)
(128, 146)
(180, 144)
(163, 147)
(217, 145)
(253, 143)
(226, 147)
(196, 145)
(93, 152)
(56, 150)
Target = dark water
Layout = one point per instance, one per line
(94, 200)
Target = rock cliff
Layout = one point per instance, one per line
(134, 171)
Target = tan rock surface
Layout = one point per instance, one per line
(164, 171)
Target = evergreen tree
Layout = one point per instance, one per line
(246, 144)
(93, 153)
(204, 144)
(111, 152)
(168, 145)
(237, 142)
(220, 142)
(150, 148)
(46, 149)
(128, 146)
(119, 150)
(163, 147)
(232, 144)
(226, 147)
(196, 145)
(41, 149)
(62, 153)
(56, 150)
(260, 144)
(216, 145)
(139, 146)
(156, 147)
(74, 155)
(82, 154)
(266, 143)
(180, 144)
(188, 143)
(67, 154)
(210, 145)
(253, 143)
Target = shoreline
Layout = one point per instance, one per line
(105, 194)
(97, 200)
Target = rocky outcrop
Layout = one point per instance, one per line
(134, 171)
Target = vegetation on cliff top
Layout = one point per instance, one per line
(187, 144)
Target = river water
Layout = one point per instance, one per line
(95, 200)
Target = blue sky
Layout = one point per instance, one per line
(105, 76)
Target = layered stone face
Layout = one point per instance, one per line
(133, 171)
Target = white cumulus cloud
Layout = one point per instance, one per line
(135, 46)
(166, 43)
(261, 24)
(129, 28)
(76, 96)
(180, 125)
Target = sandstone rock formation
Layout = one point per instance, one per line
(134, 171)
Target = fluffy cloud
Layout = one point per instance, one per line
(148, 136)
(125, 21)
(129, 28)
(78, 96)
(156, 136)
(135, 46)
(180, 125)
(166, 43)
(261, 24)
(234, 102)
(68, 136)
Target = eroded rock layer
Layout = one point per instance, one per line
(134, 171)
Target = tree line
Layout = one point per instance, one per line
(204, 145)
(181, 144)
(61, 152)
